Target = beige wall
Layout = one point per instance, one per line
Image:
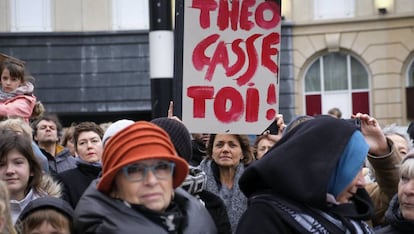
(384, 46)
(73, 15)
(4, 16)
(82, 15)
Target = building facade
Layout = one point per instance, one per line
(90, 58)
(353, 54)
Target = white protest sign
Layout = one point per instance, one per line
(230, 65)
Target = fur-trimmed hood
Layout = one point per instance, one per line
(49, 187)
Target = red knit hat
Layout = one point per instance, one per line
(139, 141)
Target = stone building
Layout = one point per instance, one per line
(90, 58)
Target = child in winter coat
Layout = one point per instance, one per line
(16, 91)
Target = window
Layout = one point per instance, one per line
(336, 80)
(30, 15)
(411, 75)
(130, 14)
(409, 91)
(334, 9)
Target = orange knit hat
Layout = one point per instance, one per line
(139, 141)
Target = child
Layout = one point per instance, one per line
(16, 93)
(21, 171)
(46, 215)
(19, 126)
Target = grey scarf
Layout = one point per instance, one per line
(24, 89)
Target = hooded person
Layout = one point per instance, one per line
(195, 182)
(301, 188)
(138, 190)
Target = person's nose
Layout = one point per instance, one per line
(226, 147)
(360, 180)
(10, 169)
(408, 187)
(150, 178)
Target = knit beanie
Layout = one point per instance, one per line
(141, 140)
(179, 134)
(114, 128)
(47, 202)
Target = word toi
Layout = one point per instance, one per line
(229, 104)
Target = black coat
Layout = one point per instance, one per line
(99, 213)
(217, 209)
(288, 188)
(396, 223)
(75, 181)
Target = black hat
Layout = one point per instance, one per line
(55, 203)
(179, 134)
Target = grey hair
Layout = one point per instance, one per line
(394, 129)
(407, 166)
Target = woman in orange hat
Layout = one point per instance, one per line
(138, 190)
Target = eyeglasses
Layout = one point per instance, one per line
(138, 172)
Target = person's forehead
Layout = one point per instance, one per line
(398, 139)
(88, 134)
(226, 137)
(47, 123)
(5, 71)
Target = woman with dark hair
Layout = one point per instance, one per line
(21, 171)
(227, 156)
(88, 146)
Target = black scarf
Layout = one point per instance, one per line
(394, 217)
(343, 218)
(172, 220)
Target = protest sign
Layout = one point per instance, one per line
(230, 59)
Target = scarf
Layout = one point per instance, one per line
(304, 219)
(395, 218)
(195, 181)
(81, 161)
(25, 89)
(236, 203)
(171, 220)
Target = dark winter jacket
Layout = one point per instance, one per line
(235, 201)
(288, 188)
(396, 223)
(199, 152)
(98, 213)
(75, 181)
(195, 184)
(62, 161)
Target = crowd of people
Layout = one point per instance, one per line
(317, 174)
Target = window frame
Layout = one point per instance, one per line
(350, 91)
